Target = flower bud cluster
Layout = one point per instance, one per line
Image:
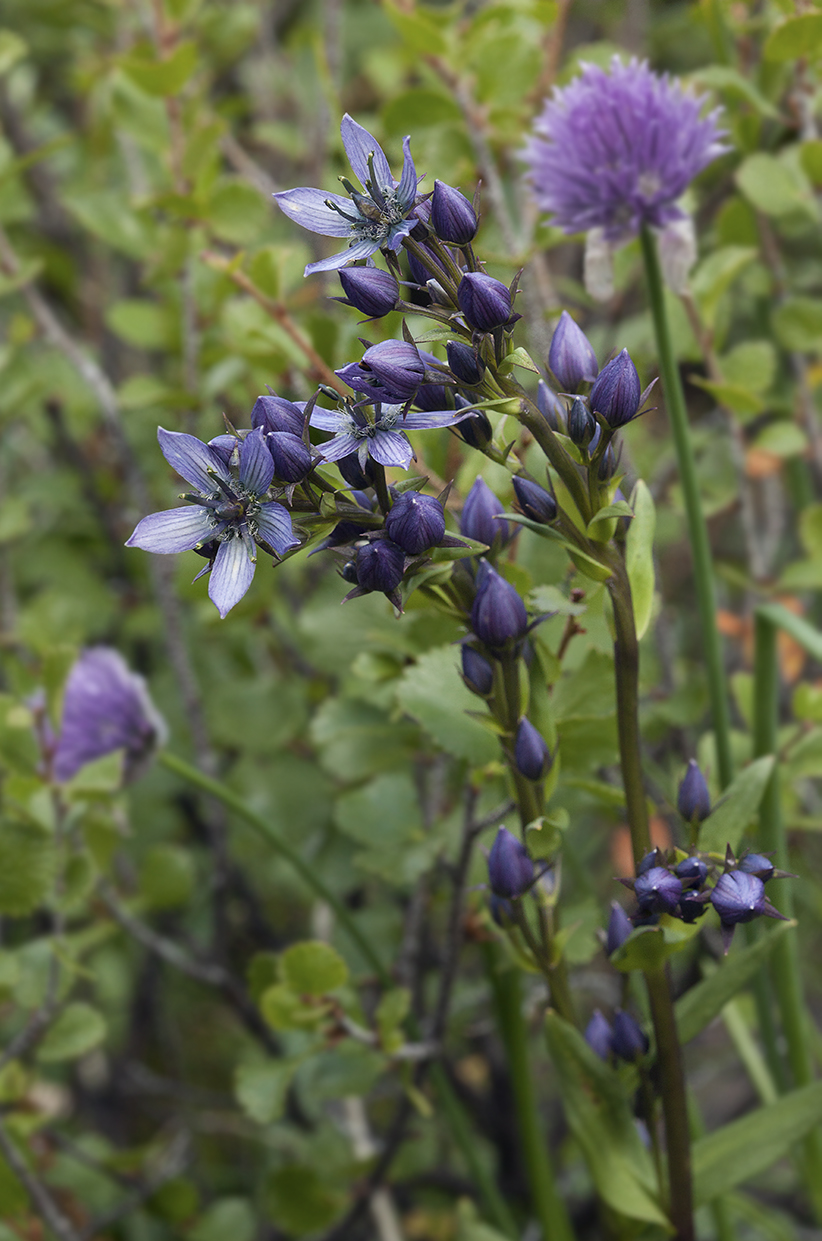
(622, 1037)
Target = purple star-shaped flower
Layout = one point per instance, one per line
(226, 516)
(371, 221)
(382, 435)
(615, 150)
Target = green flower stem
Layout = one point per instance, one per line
(381, 487)
(768, 618)
(493, 1202)
(547, 1203)
(697, 528)
(674, 1104)
(626, 668)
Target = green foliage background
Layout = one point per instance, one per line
(146, 278)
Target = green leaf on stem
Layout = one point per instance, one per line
(519, 357)
(162, 77)
(728, 820)
(619, 509)
(715, 275)
(741, 1150)
(432, 692)
(261, 1089)
(76, 1031)
(649, 947)
(601, 1119)
(707, 999)
(799, 36)
(639, 555)
(313, 968)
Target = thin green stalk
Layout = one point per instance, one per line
(697, 528)
(626, 668)
(785, 960)
(493, 1202)
(674, 1104)
(547, 1203)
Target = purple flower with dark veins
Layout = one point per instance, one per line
(380, 218)
(377, 432)
(226, 510)
(614, 150)
(106, 707)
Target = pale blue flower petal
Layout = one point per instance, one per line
(391, 448)
(341, 446)
(361, 250)
(418, 420)
(309, 207)
(231, 576)
(359, 144)
(326, 419)
(274, 525)
(192, 459)
(256, 464)
(407, 188)
(173, 530)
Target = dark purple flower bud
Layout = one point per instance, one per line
(477, 672)
(692, 871)
(415, 522)
(629, 1041)
(691, 907)
(348, 573)
(380, 566)
(466, 364)
(272, 413)
(654, 858)
(617, 394)
(738, 897)
(422, 272)
(397, 367)
(453, 218)
(608, 464)
(551, 406)
(510, 869)
(498, 615)
(370, 290)
(226, 446)
(106, 707)
(479, 520)
(502, 911)
(292, 460)
(598, 1035)
(476, 431)
(757, 864)
(356, 475)
(571, 356)
(531, 754)
(431, 396)
(535, 501)
(485, 302)
(619, 928)
(657, 891)
(693, 800)
(581, 423)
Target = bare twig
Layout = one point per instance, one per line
(167, 949)
(248, 167)
(381, 1203)
(41, 1200)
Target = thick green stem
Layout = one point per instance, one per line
(626, 668)
(697, 528)
(785, 960)
(493, 1202)
(548, 1205)
(674, 1104)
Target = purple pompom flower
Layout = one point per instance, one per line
(571, 355)
(227, 510)
(615, 150)
(510, 869)
(106, 707)
(378, 219)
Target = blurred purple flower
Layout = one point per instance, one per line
(227, 510)
(106, 707)
(377, 219)
(615, 150)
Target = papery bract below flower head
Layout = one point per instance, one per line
(106, 707)
(615, 150)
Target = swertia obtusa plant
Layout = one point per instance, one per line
(270, 489)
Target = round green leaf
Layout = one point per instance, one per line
(77, 1030)
(313, 968)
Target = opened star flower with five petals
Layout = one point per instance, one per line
(381, 435)
(228, 512)
(372, 220)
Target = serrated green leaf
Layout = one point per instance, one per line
(433, 693)
(313, 968)
(77, 1030)
(697, 1007)
(743, 1149)
(728, 820)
